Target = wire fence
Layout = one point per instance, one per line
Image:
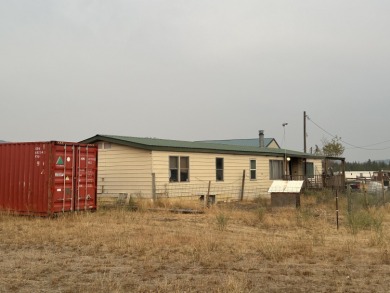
(366, 198)
(213, 192)
(218, 192)
(371, 195)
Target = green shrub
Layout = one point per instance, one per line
(260, 213)
(222, 221)
(364, 220)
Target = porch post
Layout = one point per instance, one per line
(325, 172)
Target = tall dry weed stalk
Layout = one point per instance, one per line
(385, 256)
(222, 220)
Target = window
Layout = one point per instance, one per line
(219, 169)
(179, 169)
(173, 169)
(275, 169)
(309, 170)
(104, 145)
(184, 169)
(253, 169)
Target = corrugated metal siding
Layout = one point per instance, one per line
(43, 178)
(22, 187)
(123, 169)
(85, 177)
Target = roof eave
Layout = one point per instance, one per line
(266, 153)
(99, 137)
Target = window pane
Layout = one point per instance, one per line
(173, 176)
(173, 162)
(183, 162)
(184, 169)
(253, 164)
(219, 163)
(219, 175)
(184, 175)
(173, 169)
(253, 174)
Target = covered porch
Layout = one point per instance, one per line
(329, 174)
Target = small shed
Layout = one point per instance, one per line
(286, 193)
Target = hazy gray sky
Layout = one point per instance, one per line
(193, 70)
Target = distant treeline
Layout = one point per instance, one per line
(367, 166)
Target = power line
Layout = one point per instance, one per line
(352, 145)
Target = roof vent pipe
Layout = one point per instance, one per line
(261, 138)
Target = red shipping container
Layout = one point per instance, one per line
(44, 178)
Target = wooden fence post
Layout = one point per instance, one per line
(154, 193)
(242, 185)
(383, 192)
(366, 204)
(337, 210)
(349, 199)
(206, 200)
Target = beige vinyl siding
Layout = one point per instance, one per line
(203, 169)
(273, 145)
(124, 170)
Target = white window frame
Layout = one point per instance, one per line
(179, 169)
(219, 171)
(251, 169)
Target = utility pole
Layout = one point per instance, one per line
(304, 131)
(304, 143)
(285, 151)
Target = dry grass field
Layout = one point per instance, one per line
(236, 247)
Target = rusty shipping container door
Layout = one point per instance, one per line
(44, 178)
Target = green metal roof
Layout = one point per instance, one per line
(190, 146)
(243, 141)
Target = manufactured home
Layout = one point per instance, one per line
(151, 167)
